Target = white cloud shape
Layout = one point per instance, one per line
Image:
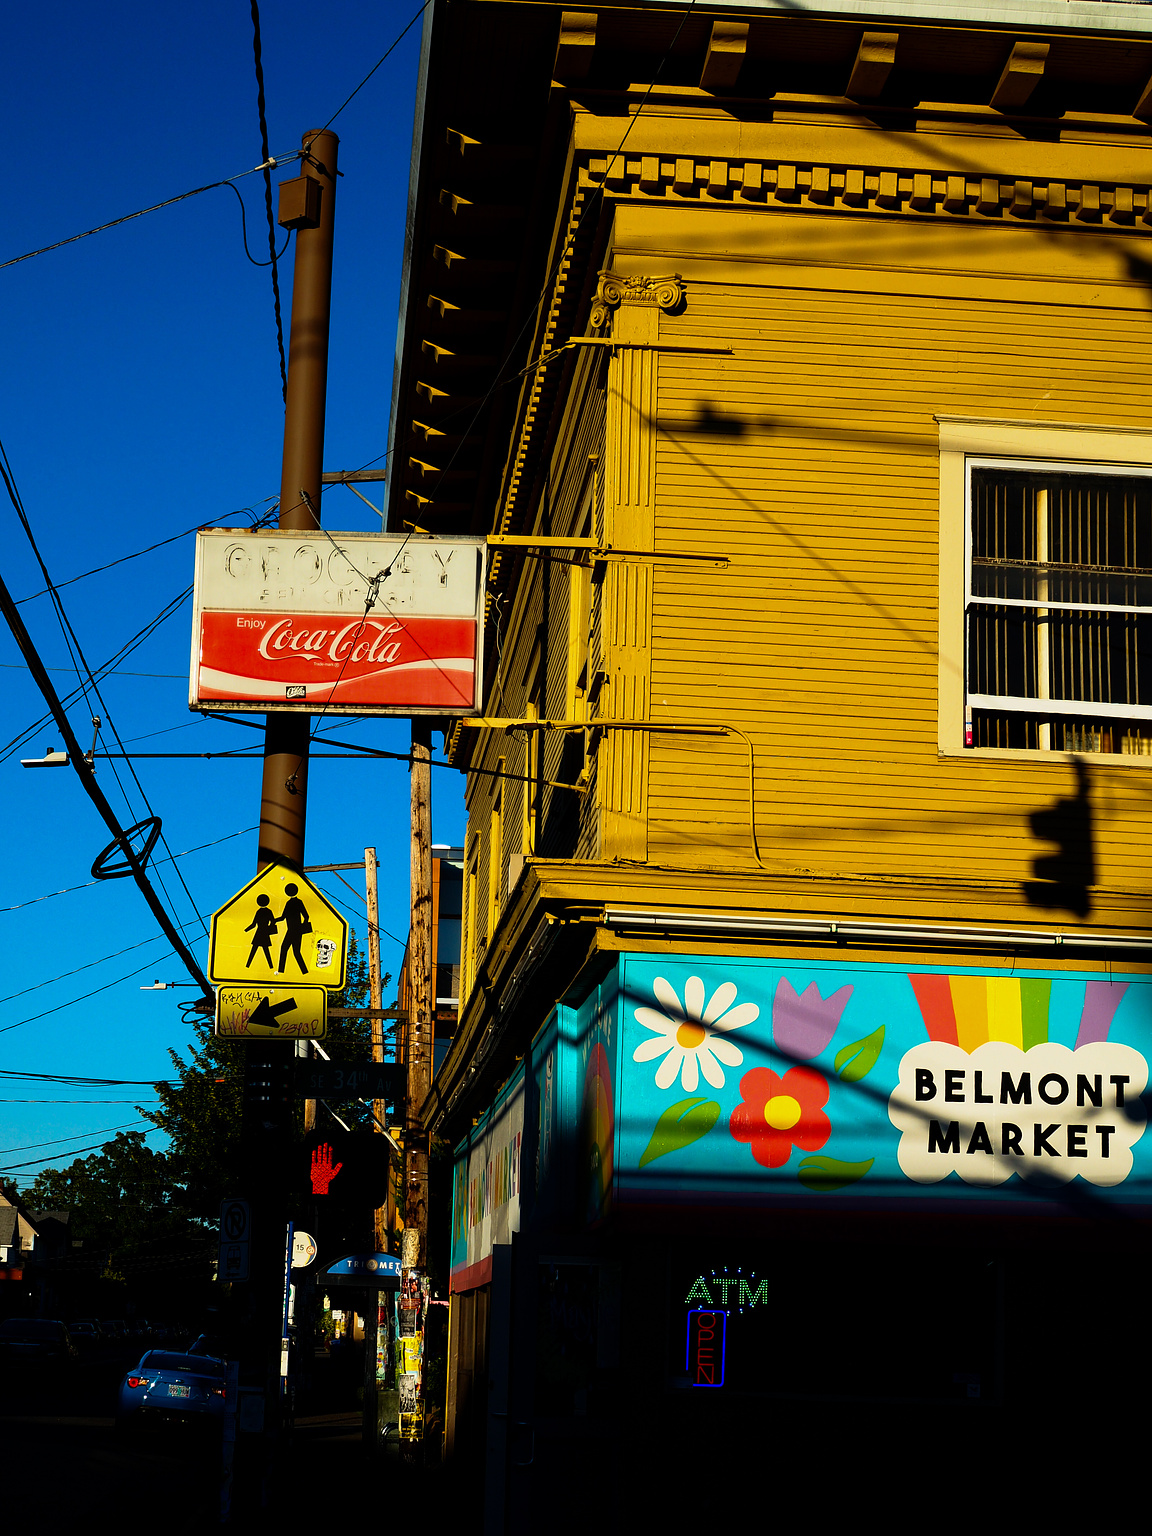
(1048, 1113)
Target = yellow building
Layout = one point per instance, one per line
(794, 361)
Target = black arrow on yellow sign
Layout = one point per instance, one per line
(265, 1014)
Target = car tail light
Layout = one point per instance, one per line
(216, 1392)
(137, 1381)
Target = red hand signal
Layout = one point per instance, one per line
(322, 1170)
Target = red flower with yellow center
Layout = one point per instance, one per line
(779, 1113)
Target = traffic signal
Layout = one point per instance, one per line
(345, 1168)
(1063, 878)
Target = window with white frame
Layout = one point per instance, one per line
(1058, 607)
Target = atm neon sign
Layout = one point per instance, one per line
(704, 1355)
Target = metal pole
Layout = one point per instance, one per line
(284, 792)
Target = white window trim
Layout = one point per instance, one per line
(1021, 444)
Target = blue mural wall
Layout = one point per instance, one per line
(768, 1082)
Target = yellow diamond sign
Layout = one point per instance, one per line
(279, 928)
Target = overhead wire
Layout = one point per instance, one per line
(35, 1146)
(72, 640)
(273, 160)
(273, 257)
(258, 521)
(87, 778)
(75, 1154)
(75, 1081)
(390, 49)
(170, 608)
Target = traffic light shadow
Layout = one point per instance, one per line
(1064, 878)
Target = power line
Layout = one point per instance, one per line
(88, 884)
(85, 773)
(71, 639)
(88, 966)
(258, 520)
(78, 1153)
(76, 1101)
(89, 1082)
(268, 199)
(95, 992)
(133, 644)
(395, 44)
(140, 212)
(34, 1146)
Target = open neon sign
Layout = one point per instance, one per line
(704, 1355)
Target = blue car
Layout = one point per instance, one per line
(188, 1388)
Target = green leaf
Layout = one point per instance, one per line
(679, 1126)
(824, 1174)
(857, 1060)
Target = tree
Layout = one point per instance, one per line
(125, 1204)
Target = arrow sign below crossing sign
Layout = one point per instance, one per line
(248, 1011)
(281, 929)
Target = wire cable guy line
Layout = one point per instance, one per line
(268, 197)
(395, 43)
(180, 197)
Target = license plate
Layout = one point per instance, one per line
(176, 1389)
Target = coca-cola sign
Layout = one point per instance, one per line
(352, 623)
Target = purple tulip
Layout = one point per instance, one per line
(804, 1023)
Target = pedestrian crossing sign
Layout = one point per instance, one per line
(279, 927)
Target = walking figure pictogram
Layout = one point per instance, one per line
(264, 924)
(296, 925)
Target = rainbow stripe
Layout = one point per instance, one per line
(969, 1010)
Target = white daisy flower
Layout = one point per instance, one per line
(687, 1036)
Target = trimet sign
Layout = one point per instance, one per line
(357, 623)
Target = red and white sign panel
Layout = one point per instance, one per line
(355, 623)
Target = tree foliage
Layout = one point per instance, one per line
(125, 1203)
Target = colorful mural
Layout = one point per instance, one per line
(777, 1081)
(486, 1187)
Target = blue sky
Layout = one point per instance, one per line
(139, 397)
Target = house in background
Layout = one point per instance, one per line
(793, 361)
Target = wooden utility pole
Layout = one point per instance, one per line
(376, 990)
(422, 1013)
(418, 1062)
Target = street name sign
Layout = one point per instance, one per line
(247, 1010)
(349, 1080)
(365, 624)
(279, 928)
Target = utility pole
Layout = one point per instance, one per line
(418, 1059)
(376, 992)
(307, 205)
(420, 990)
(284, 792)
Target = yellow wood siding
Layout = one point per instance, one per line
(810, 458)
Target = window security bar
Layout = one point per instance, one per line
(1081, 708)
